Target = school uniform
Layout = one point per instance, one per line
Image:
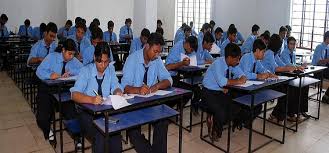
(178, 35)
(37, 34)
(110, 37)
(288, 57)
(82, 44)
(136, 44)
(72, 30)
(247, 46)
(251, 67)
(3, 31)
(88, 80)
(40, 49)
(136, 73)
(124, 30)
(203, 55)
(88, 34)
(218, 43)
(88, 55)
(238, 38)
(25, 31)
(200, 37)
(222, 48)
(62, 33)
(53, 63)
(320, 52)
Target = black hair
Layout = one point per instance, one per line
(82, 26)
(96, 33)
(68, 22)
(267, 32)
(291, 39)
(232, 30)
(275, 43)
(231, 26)
(282, 29)
(326, 36)
(219, 29)
(96, 21)
(110, 24)
(51, 26)
(4, 17)
(128, 20)
(258, 44)
(146, 33)
(92, 25)
(27, 22)
(159, 30)
(155, 39)
(208, 38)
(266, 36)
(70, 45)
(288, 28)
(232, 50)
(183, 25)
(159, 22)
(212, 22)
(77, 20)
(193, 41)
(42, 27)
(255, 28)
(100, 49)
(187, 28)
(205, 26)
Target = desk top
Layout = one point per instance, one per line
(309, 70)
(255, 88)
(189, 69)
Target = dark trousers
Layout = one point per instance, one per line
(98, 140)
(293, 99)
(142, 145)
(279, 109)
(46, 106)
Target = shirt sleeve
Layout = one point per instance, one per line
(114, 80)
(44, 69)
(76, 66)
(128, 73)
(245, 67)
(219, 75)
(82, 81)
(163, 72)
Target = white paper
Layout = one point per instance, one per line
(116, 101)
(159, 93)
(283, 77)
(215, 49)
(193, 60)
(250, 83)
(69, 78)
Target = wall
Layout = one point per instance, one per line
(36, 10)
(166, 13)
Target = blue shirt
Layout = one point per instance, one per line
(247, 63)
(203, 55)
(178, 35)
(200, 37)
(87, 82)
(288, 57)
(238, 38)
(108, 39)
(124, 32)
(4, 31)
(62, 32)
(271, 61)
(320, 53)
(37, 34)
(215, 77)
(84, 42)
(88, 34)
(88, 55)
(174, 55)
(222, 48)
(134, 69)
(53, 63)
(39, 49)
(247, 46)
(22, 31)
(72, 31)
(136, 44)
(218, 43)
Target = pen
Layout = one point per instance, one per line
(95, 92)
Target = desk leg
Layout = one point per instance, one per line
(321, 82)
(285, 116)
(299, 101)
(106, 147)
(180, 124)
(251, 121)
(60, 119)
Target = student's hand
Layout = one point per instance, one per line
(66, 75)
(225, 91)
(54, 76)
(301, 68)
(271, 75)
(292, 68)
(262, 76)
(79, 57)
(186, 61)
(97, 100)
(144, 90)
(242, 80)
(154, 88)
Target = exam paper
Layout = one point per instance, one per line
(193, 60)
(69, 78)
(116, 101)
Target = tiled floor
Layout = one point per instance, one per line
(19, 132)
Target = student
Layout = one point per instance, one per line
(92, 26)
(222, 72)
(88, 53)
(288, 55)
(202, 55)
(265, 37)
(139, 42)
(239, 35)
(144, 73)
(230, 39)
(63, 32)
(248, 44)
(45, 46)
(283, 35)
(99, 76)
(321, 52)
(39, 31)
(251, 65)
(109, 36)
(188, 47)
(205, 28)
(194, 33)
(180, 33)
(159, 23)
(288, 31)
(73, 29)
(187, 32)
(160, 31)
(56, 65)
(81, 41)
(126, 33)
(212, 24)
(218, 36)
(3, 29)
(25, 30)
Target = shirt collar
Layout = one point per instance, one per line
(140, 58)
(94, 70)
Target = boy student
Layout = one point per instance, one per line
(97, 76)
(109, 36)
(202, 55)
(238, 38)
(230, 39)
(159, 23)
(251, 65)
(56, 65)
(88, 53)
(283, 35)
(63, 32)
(288, 55)
(81, 41)
(3, 29)
(187, 32)
(248, 44)
(39, 31)
(26, 29)
(180, 32)
(222, 72)
(265, 37)
(194, 33)
(73, 28)
(126, 33)
(139, 42)
(205, 28)
(44, 46)
(144, 73)
(218, 36)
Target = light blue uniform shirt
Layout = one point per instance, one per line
(222, 48)
(4, 31)
(87, 83)
(271, 61)
(106, 37)
(218, 43)
(202, 55)
(88, 34)
(124, 31)
(84, 43)
(53, 63)
(22, 31)
(200, 37)
(247, 46)
(62, 32)
(136, 44)
(288, 57)
(238, 38)
(174, 55)
(88, 55)
(72, 31)
(215, 77)
(247, 66)
(39, 49)
(36, 33)
(134, 69)
(178, 35)
(320, 53)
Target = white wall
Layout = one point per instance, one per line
(36, 10)
(166, 13)
(104, 10)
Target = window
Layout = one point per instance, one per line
(197, 11)
(309, 22)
